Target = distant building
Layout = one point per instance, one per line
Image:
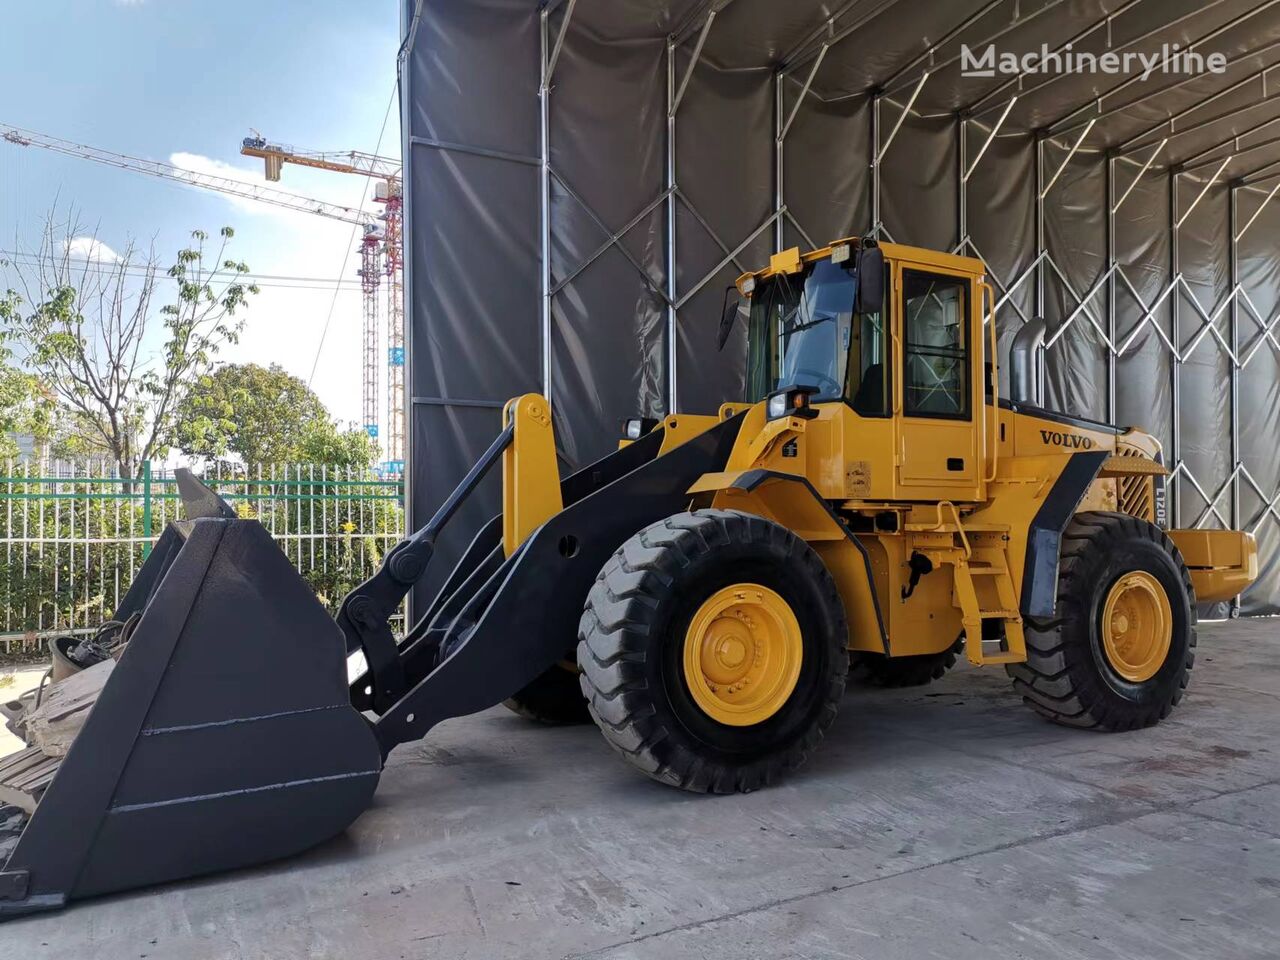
(28, 447)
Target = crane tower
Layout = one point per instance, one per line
(385, 244)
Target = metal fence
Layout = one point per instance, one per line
(72, 535)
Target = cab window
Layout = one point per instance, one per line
(806, 330)
(935, 345)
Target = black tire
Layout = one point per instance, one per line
(877, 670)
(1068, 677)
(553, 698)
(632, 638)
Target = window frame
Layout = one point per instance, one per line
(772, 356)
(966, 285)
(886, 353)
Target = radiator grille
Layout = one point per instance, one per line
(1136, 495)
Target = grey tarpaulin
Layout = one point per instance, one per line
(586, 177)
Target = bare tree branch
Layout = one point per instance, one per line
(88, 329)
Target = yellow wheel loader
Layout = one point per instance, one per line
(704, 590)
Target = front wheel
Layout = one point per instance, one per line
(1120, 652)
(712, 650)
(552, 698)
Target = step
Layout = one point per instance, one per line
(1002, 656)
(987, 571)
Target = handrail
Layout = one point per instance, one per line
(989, 293)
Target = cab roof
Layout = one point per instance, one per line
(793, 261)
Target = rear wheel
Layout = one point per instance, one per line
(554, 697)
(914, 671)
(713, 651)
(1120, 653)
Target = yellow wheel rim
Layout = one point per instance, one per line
(1137, 626)
(742, 654)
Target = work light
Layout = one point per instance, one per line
(637, 427)
(791, 401)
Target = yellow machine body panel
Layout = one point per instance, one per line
(1221, 562)
(936, 514)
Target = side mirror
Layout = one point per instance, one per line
(728, 315)
(870, 280)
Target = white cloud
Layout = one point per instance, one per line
(207, 166)
(91, 248)
(275, 240)
(326, 187)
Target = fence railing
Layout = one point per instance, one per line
(72, 536)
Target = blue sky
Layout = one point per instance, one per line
(184, 81)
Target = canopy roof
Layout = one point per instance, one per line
(910, 52)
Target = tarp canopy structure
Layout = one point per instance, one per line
(585, 178)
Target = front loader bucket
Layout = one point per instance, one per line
(223, 737)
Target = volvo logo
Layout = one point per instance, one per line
(1072, 441)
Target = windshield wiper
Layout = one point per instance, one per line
(828, 318)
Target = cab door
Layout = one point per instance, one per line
(937, 328)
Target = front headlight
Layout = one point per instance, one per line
(637, 427)
(792, 402)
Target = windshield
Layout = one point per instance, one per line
(805, 332)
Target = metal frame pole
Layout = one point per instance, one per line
(544, 183)
(1234, 258)
(875, 162)
(407, 227)
(1111, 287)
(962, 182)
(673, 347)
(1175, 363)
(1039, 218)
(779, 162)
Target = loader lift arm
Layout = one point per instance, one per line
(508, 623)
(365, 613)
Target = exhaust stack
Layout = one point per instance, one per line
(1026, 363)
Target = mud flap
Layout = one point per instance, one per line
(224, 737)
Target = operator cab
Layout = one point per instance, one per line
(890, 335)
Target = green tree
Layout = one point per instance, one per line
(352, 447)
(82, 320)
(265, 415)
(25, 406)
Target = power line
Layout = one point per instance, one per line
(283, 281)
(346, 257)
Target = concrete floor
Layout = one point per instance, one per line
(945, 822)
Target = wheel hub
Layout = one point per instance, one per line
(742, 654)
(1137, 626)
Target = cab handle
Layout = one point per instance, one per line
(989, 295)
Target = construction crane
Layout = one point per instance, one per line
(386, 241)
(167, 171)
